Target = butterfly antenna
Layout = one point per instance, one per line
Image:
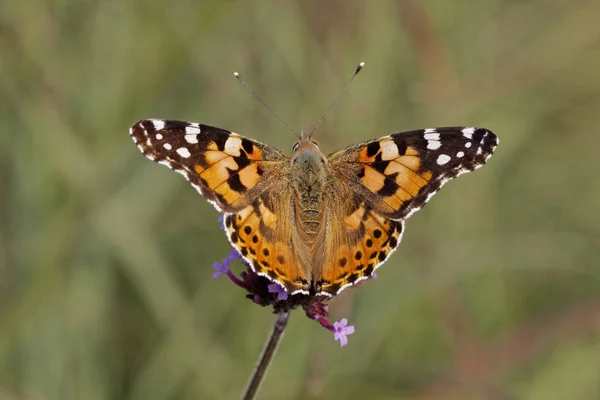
(239, 78)
(360, 66)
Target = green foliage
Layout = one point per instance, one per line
(105, 289)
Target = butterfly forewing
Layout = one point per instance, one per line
(227, 169)
(399, 173)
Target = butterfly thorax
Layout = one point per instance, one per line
(310, 174)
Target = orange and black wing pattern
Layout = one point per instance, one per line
(241, 177)
(263, 233)
(229, 170)
(398, 174)
(384, 182)
(358, 243)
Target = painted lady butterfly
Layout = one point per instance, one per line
(312, 223)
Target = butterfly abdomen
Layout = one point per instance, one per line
(309, 176)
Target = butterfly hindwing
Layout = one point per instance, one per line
(229, 170)
(262, 233)
(361, 241)
(399, 173)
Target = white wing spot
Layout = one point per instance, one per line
(183, 152)
(191, 138)
(158, 124)
(429, 130)
(233, 146)
(468, 132)
(158, 136)
(431, 135)
(433, 144)
(443, 159)
(192, 129)
(468, 144)
(167, 146)
(389, 149)
(460, 154)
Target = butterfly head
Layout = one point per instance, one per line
(306, 152)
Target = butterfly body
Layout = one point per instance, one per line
(312, 223)
(309, 177)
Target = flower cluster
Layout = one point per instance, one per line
(264, 292)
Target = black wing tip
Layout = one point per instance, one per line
(144, 126)
(488, 141)
(140, 134)
(488, 136)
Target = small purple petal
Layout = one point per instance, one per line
(373, 276)
(276, 288)
(220, 268)
(339, 325)
(233, 255)
(222, 222)
(342, 331)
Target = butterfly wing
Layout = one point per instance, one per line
(263, 233)
(384, 182)
(241, 177)
(229, 170)
(358, 240)
(398, 174)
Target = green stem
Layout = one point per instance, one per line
(267, 356)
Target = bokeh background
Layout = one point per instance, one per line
(105, 257)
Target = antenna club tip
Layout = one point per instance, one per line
(236, 74)
(362, 64)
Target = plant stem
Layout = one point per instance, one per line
(267, 356)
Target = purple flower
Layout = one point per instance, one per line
(222, 222)
(232, 255)
(276, 288)
(341, 331)
(220, 268)
(224, 266)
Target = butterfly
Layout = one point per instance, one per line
(312, 223)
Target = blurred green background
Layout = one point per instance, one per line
(105, 257)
